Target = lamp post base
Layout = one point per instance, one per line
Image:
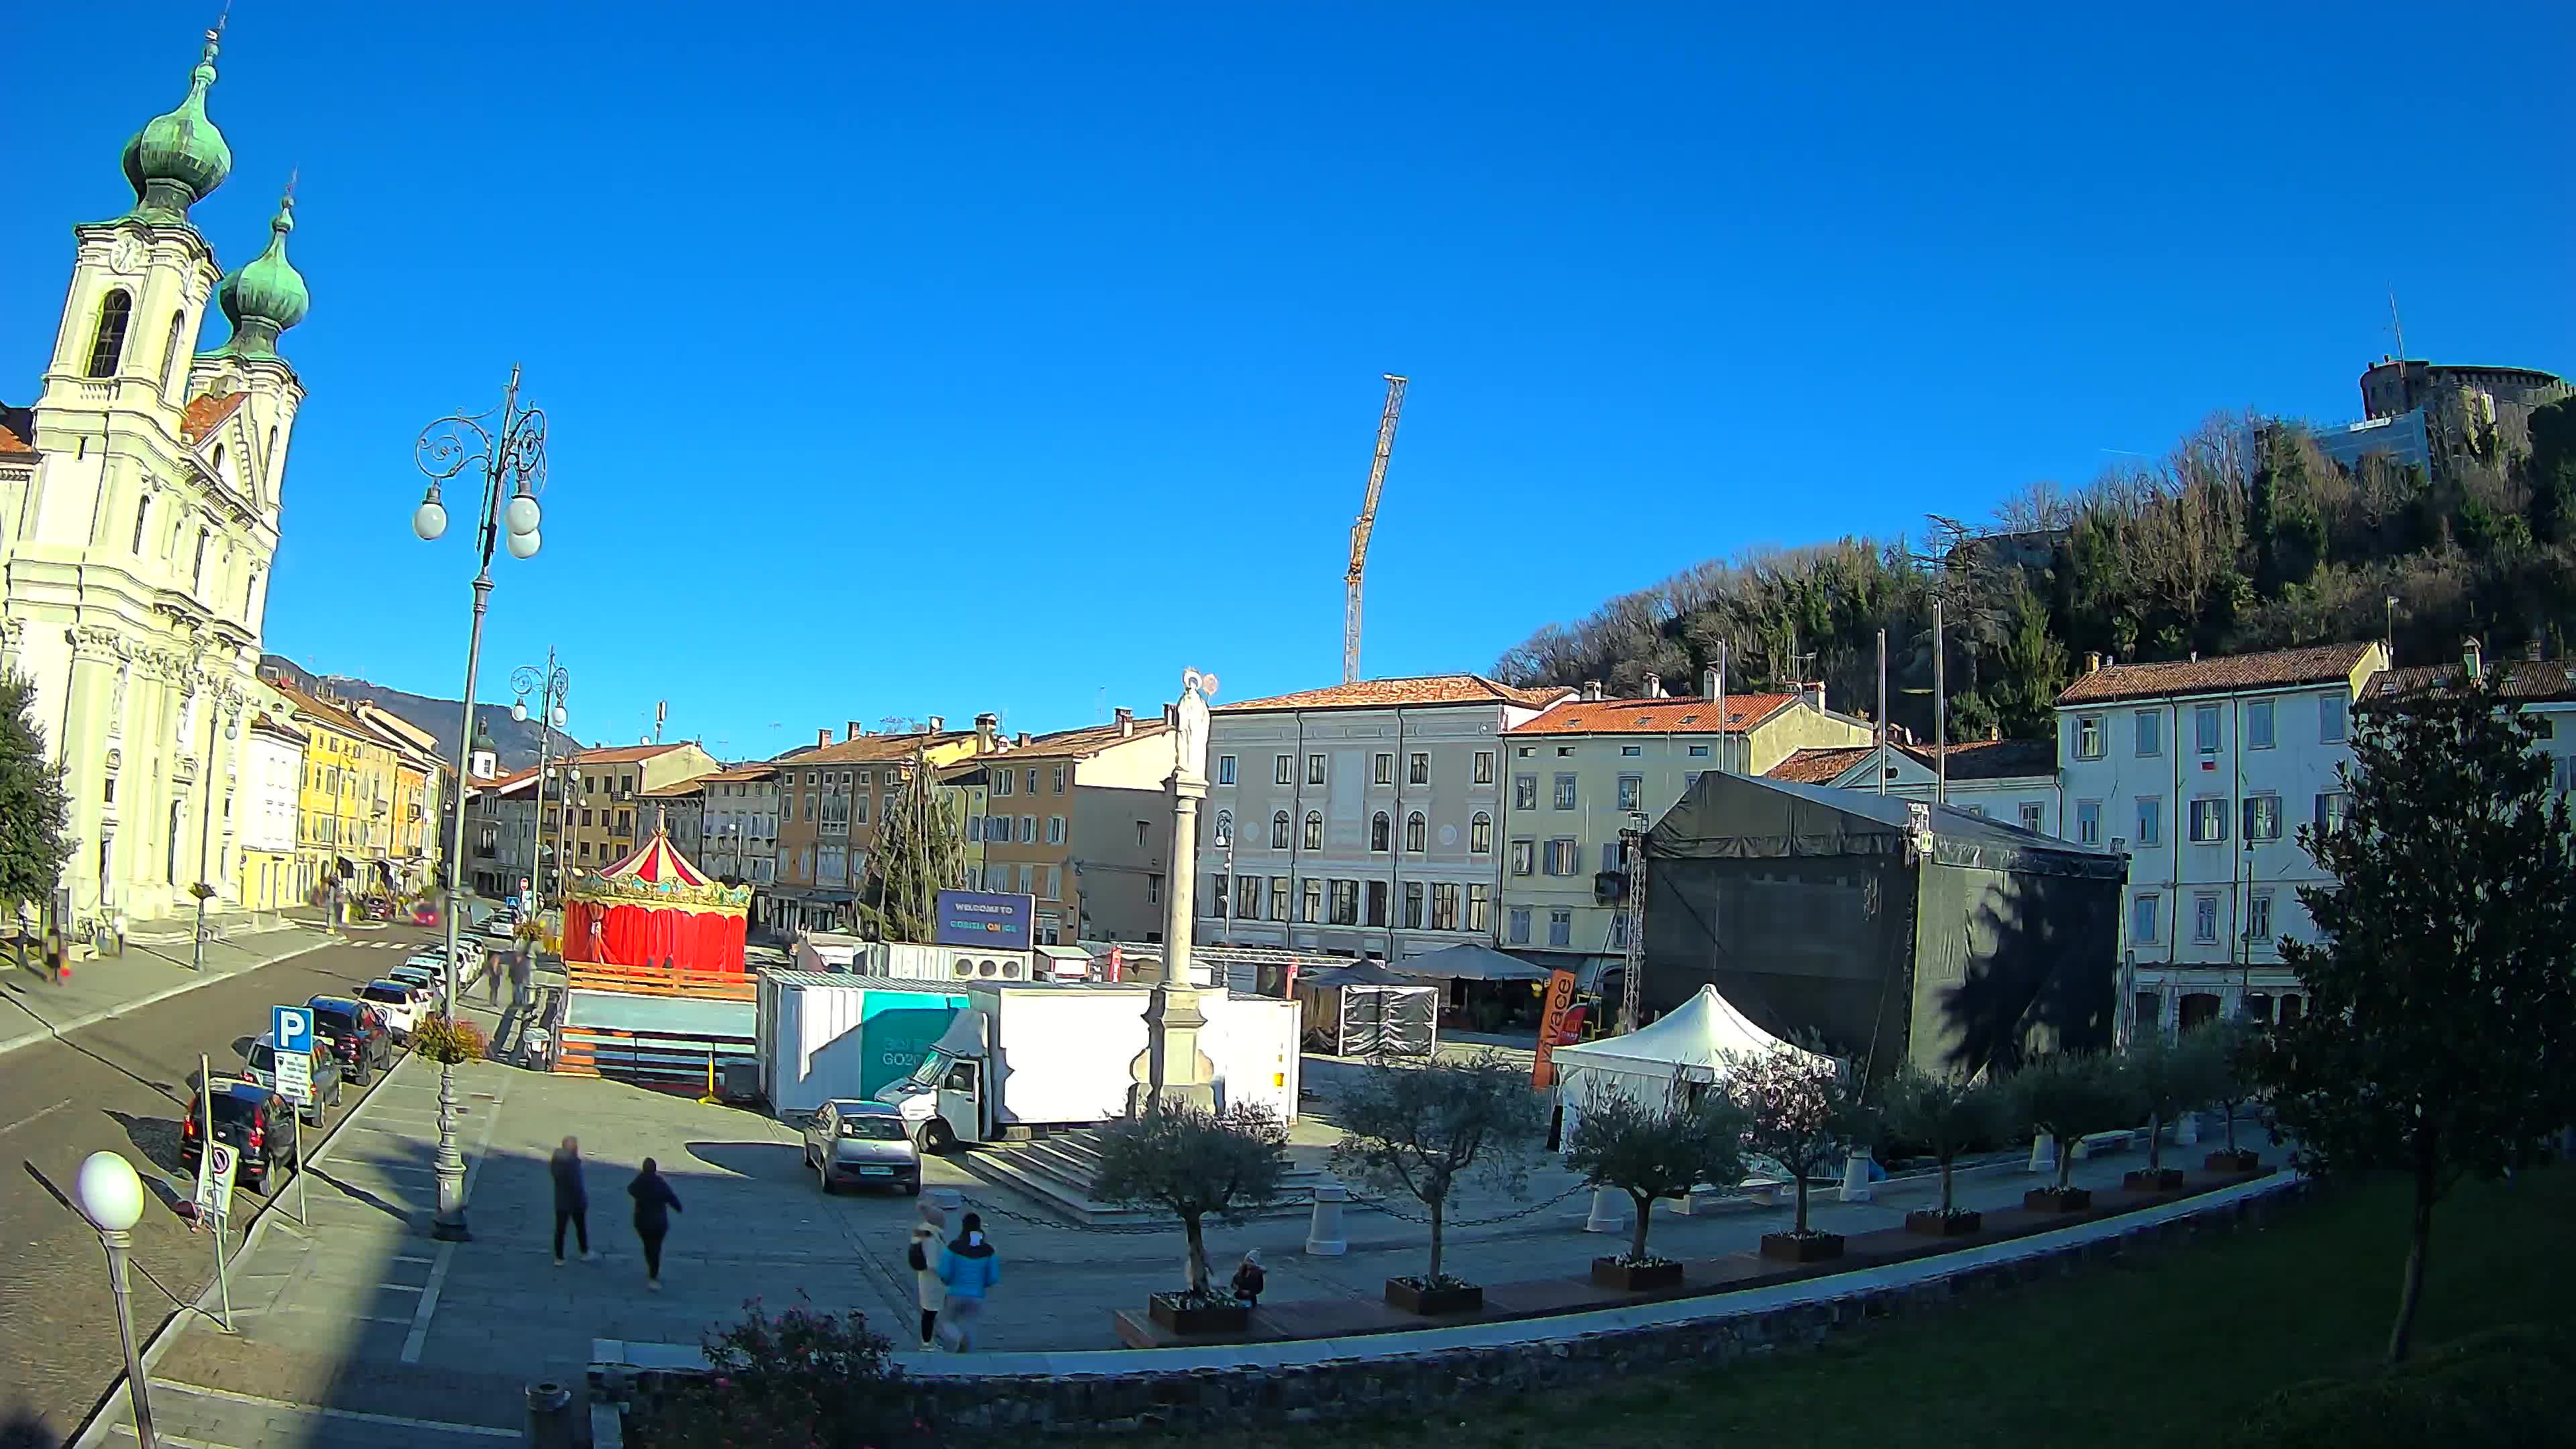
(449, 1225)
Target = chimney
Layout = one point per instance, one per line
(823, 737)
(987, 726)
(2092, 661)
(1708, 683)
(853, 731)
(939, 724)
(1654, 685)
(1023, 740)
(2472, 657)
(1592, 689)
(1126, 723)
(2531, 650)
(1815, 694)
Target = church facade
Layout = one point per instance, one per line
(140, 495)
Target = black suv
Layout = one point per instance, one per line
(251, 1120)
(359, 1036)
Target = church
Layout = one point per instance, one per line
(139, 501)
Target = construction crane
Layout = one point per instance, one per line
(1361, 526)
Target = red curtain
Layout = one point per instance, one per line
(628, 935)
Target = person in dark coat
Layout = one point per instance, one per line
(1248, 1280)
(654, 1204)
(572, 1199)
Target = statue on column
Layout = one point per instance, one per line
(1172, 1069)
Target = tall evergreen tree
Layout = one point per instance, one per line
(920, 851)
(34, 812)
(2440, 1036)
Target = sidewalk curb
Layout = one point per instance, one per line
(100, 1427)
(93, 1018)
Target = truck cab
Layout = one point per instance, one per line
(947, 1099)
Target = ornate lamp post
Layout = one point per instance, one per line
(111, 1197)
(549, 685)
(508, 450)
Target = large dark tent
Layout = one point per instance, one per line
(1892, 929)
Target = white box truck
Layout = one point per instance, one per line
(1023, 1057)
(826, 1035)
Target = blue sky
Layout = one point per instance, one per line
(906, 360)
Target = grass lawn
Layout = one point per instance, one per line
(2154, 1351)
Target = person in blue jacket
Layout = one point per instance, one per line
(968, 1269)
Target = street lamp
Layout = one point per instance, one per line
(508, 450)
(550, 685)
(111, 1197)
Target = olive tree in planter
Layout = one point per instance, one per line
(1194, 1164)
(1945, 1115)
(1423, 1131)
(2172, 1076)
(1652, 1150)
(2230, 1045)
(2069, 1096)
(1802, 1111)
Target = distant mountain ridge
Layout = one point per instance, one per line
(513, 741)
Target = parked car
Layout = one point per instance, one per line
(864, 1143)
(423, 984)
(357, 1033)
(393, 999)
(502, 928)
(251, 1120)
(261, 1069)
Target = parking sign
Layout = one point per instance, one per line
(292, 1028)
(295, 1078)
(215, 1180)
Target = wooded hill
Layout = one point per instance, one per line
(2245, 538)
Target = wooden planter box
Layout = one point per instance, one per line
(2243, 1159)
(1207, 1319)
(1628, 1278)
(1432, 1302)
(2055, 1200)
(1933, 1223)
(1790, 1248)
(2153, 1179)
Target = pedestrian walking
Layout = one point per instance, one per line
(572, 1198)
(1248, 1278)
(968, 1269)
(654, 1204)
(924, 1255)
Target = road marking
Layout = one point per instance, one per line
(408, 1258)
(32, 1116)
(398, 1288)
(354, 1415)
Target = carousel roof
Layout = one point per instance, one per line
(656, 874)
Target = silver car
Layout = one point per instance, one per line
(861, 1143)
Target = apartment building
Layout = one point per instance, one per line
(1363, 819)
(2014, 781)
(274, 762)
(2202, 770)
(608, 816)
(2543, 690)
(738, 831)
(1081, 819)
(344, 811)
(830, 800)
(1577, 772)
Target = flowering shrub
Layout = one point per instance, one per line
(442, 1040)
(795, 1380)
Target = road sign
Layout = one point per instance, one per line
(292, 1029)
(215, 1180)
(295, 1078)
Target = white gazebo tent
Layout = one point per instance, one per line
(1686, 1048)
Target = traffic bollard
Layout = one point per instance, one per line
(550, 1416)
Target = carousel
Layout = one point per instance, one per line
(655, 909)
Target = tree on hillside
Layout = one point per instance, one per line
(920, 851)
(2440, 1035)
(34, 814)
(1194, 1164)
(2549, 473)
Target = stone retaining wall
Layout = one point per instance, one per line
(1549, 1352)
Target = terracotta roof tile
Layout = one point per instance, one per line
(1079, 744)
(623, 754)
(867, 748)
(15, 425)
(1424, 689)
(1679, 714)
(739, 773)
(2528, 679)
(2278, 669)
(205, 413)
(1819, 767)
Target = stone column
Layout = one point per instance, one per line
(1173, 1070)
(1856, 1186)
(1324, 1233)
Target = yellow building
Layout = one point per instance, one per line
(345, 832)
(609, 816)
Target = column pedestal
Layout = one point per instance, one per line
(1324, 1231)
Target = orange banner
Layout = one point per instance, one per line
(1560, 995)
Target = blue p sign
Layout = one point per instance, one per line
(293, 1028)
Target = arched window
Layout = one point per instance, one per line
(1314, 830)
(1279, 831)
(107, 345)
(170, 865)
(170, 351)
(1480, 834)
(1225, 827)
(1379, 829)
(197, 571)
(142, 517)
(1416, 832)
